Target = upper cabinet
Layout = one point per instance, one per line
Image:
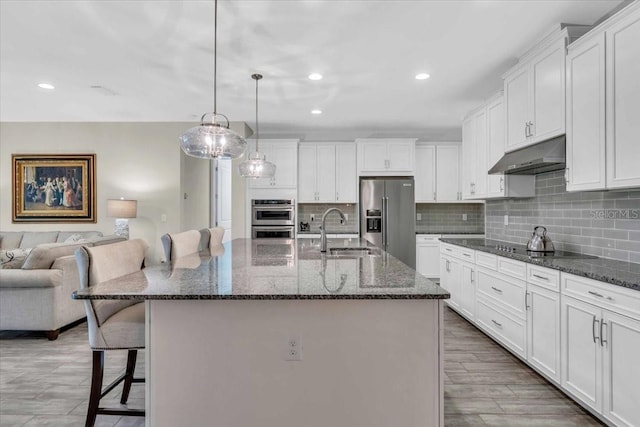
(534, 91)
(386, 156)
(284, 154)
(474, 155)
(603, 105)
(437, 173)
(327, 173)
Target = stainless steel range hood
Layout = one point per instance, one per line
(542, 157)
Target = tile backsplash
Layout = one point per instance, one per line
(601, 223)
(305, 210)
(440, 218)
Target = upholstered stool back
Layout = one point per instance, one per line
(177, 245)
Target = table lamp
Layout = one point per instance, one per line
(122, 210)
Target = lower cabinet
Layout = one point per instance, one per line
(428, 255)
(468, 294)
(543, 330)
(451, 280)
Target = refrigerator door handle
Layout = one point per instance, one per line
(384, 223)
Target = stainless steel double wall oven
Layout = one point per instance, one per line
(273, 218)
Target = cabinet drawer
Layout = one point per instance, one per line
(460, 252)
(503, 290)
(545, 277)
(517, 269)
(428, 238)
(510, 331)
(489, 261)
(611, 297)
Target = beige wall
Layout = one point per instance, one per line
(133, 160)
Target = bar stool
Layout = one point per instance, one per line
(177, 245)
(113, 324)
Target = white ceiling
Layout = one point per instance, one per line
(155, 59)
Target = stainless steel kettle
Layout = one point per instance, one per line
(539, 241)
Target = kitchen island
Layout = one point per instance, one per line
(275, 333)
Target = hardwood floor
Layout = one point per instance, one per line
(46, 383)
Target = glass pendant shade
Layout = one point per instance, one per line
(212, 141)
(257, 167)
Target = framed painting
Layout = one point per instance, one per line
(54, 188)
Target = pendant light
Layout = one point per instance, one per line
(256, 166)
(213, 139)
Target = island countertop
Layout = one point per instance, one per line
(263, 269)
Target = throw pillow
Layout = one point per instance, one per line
(13, 258)
(76, 238)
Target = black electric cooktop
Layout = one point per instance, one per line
(522, 250)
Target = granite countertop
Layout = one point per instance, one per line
(620, 273)
(246, 269)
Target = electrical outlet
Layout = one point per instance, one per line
(464, 217)
(506, 220)
(293, 349)
(419, 217)
(312, 217)
(163, 218)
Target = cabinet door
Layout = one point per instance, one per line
(480, 155)
(586, 116)
(543, 330)
(307, 174)
(516, 98)
(623, 103)
(400, 156)
(495, 144)
(548, 95)
(425, 178)
(326, 172)
(428, 259)
(447, 173)
(346, 175)
(374, 156)
(580, 351)
(468, 164)
(285, 157)
(621, 376)
(468, 290)
(450, 279)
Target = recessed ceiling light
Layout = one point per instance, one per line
(46, 86)
(315, 76)
(422, 76)
(316, 111)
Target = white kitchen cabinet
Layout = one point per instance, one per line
(451, 280)
(623, 99)
(458, 276)
(603, 101)
(468, 290)
(586, 116)
(437, 175)
(428, 255)
(600, 342)
(501, 185)
(327, 173)
(386, 156)
(284, 154)
(534, 91)
(474, 155)
(543, 330)
(346, 175)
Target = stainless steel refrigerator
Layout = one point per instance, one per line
(387, 216)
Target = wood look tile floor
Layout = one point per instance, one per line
(46, 383)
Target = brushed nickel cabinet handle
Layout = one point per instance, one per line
(593, 329)
(472, 274)
(497, 290)
(501, 183)
(434, 195)
(596, 294)
(541, 277)
(603, 325)
(499, 325)
(467, 255)
(526, 300)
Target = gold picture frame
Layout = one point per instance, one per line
(51, 188)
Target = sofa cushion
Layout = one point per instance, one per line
(10, 239)
(13, 258)
(30, 278)
(31, 239)
(75, 236)
(43, 256)
(106, 240)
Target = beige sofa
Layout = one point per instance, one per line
(38, 275)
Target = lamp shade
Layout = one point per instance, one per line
(120, 208)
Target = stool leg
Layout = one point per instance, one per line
(128, 377)
(96, 387)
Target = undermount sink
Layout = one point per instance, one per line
(350, 252)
